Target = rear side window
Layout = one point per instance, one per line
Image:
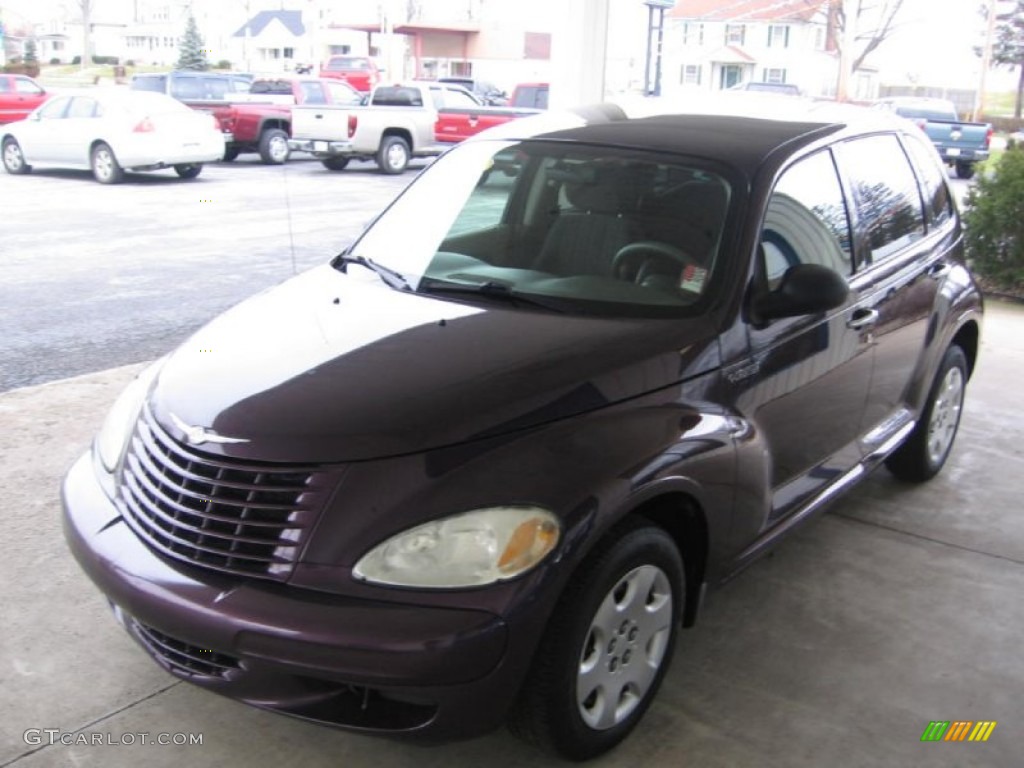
(806, 220)
(938, 203)
(83, 107)
(887, 198)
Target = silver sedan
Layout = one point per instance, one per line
(110, 131)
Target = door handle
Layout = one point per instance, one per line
(862, 318)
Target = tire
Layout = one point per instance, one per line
(273, 147)
(393, 155)
(335, 163)
(230, 154)
(189, 171)
(105, 168)
(14, 159)
(925, 451)
(964, 170)
(610, 639)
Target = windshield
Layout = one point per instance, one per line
(579, 228)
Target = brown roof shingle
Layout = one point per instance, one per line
(749, 10)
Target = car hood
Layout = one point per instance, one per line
(329, 367)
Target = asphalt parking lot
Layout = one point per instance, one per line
(900, 606)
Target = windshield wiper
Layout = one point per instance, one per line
(389, 276)
(491, 290)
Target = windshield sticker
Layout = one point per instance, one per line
(693, 278)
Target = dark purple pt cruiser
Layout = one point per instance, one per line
(482, 467)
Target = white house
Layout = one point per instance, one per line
(714, 45)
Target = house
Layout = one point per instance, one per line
(273, 41)
(713, 45)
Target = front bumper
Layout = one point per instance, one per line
(372, 666)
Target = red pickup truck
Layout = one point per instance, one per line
(19, 95)
(261, 120)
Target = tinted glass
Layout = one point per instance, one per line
(339, 64)
(396, 96)
(274, 87)
(888, 200)
(938, 204)
(806, 220)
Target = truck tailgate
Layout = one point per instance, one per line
(321, 122)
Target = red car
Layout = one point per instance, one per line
(19, 95)
(358, 71)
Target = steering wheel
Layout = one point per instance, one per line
(632, 262)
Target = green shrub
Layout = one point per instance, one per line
(994, 225)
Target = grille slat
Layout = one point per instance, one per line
(245, 518)
(184, 657)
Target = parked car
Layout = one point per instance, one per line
(782, 89)
(111, 131)
(261, 120)
(358, 71)
(484, 464)
(400, 122)
(487, 92)
(191, 86)
(961, 144)
(530, 96)
(19, 95)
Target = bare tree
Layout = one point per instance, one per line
(856, 28)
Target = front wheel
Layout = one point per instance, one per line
(607, 647)
(393, 155)
(189, 171)
(964, 170)
(273, 147)
(14, 159)
(925, 451)
(105, 167)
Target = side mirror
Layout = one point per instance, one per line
(805, 289)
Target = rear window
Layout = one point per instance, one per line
(272, 87)
(157, 83)
(396, 96)
(347, 62)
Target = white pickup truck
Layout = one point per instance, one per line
(417, 119)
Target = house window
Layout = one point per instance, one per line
(734, 34)
(690, 74)
(819, 38)
(693, 33)
(774, 75)
(778, 36)
(461, 68)
(289, 53)
(337, 50)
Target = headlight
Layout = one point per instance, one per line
(110, 442)
(467, 550)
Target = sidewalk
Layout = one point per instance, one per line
(901, 606)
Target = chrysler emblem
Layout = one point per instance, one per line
(198, 435)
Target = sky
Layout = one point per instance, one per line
(933, 43)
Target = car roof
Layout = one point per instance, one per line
(740, 129)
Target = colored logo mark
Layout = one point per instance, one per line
(958, 730)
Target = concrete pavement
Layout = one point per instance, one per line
(901, 606)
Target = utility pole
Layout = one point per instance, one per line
(986, 61)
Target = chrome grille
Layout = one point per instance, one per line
(225, 514)
(184, 657)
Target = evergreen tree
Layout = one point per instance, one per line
(191, 54)
(30, 52)
(1009, 45)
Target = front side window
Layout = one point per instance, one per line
(887, 198)
(24, 85)
(54, 109)
(578, 229)
(806, 220)
(82, 107)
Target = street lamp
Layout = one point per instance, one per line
(655, 7)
